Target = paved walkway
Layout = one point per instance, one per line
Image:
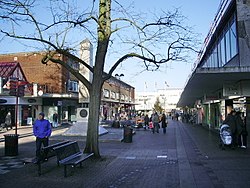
(186, 156)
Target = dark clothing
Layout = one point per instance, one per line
(231, 121)
(239, 124)
(42, 131)
(146, 121)
(163, 123)
(39, 142)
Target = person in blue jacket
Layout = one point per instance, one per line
(42, 131)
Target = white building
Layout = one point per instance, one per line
(168, 99)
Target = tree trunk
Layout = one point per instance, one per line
(92, 144)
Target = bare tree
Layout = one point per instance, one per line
(139, 35)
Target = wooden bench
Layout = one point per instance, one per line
(46, 153)
(70, 154)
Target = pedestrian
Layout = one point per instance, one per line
(8, 122)
(164, 123)
(42, 131)
(239, 127)
(155, 120)
(231, 121)
(55, 119)
(244, 135)
(146, 122)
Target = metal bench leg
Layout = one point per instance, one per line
(65, 171)
(39, 169)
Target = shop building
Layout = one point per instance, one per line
(52, 89)
(220, 79)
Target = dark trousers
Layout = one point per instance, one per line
(164, 130)
(39, 143)
(242, 140)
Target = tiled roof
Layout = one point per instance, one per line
(11, 70)
(7, 68)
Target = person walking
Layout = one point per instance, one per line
(155, 120)
(8, 122)
(231, 121)
(239, 126)
(146, 122)
(55, 119)
(244, 134)
(42, 131)
(164, 123)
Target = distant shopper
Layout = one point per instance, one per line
(8, 122)
(155, 120)
(231, 121)
(241, 130)
(164, 123)
(55, 120)
(42, 131)
(146, 122)
(239, 126)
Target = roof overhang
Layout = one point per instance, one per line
(210, 81)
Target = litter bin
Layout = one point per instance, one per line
(11, 144)
(116, 124)
(127, 134)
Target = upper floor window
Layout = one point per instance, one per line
(106, 93)
(225, 47)
(73, 86)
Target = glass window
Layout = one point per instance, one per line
(233, 38)
(228, 52)
(223, 51)
(219, 54)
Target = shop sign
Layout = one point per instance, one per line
(31, 100)
(3, 101)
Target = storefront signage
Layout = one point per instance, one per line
(31, 100)
(3, 101)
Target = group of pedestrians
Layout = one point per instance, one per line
(238, 129)
(155, 121)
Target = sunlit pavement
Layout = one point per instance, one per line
(186, 156)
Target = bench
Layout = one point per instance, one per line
(70, 154)
(46, 153)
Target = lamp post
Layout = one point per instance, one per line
(165, 96)
(118, 76)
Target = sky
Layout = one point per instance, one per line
(200, 15)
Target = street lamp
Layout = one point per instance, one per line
(118, 76)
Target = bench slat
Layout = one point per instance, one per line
(70, 154)
(77, 159)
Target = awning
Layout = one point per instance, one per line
(209, 82)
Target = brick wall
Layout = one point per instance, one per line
(52, 75)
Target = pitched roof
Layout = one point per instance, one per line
(11, 70)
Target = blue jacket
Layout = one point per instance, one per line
(42, 128)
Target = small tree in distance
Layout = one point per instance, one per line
(54, 24)
(157, 106)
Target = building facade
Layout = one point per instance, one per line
(168, 99)
(53, 90)
(220, 80)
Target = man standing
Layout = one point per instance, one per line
(42, 131)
